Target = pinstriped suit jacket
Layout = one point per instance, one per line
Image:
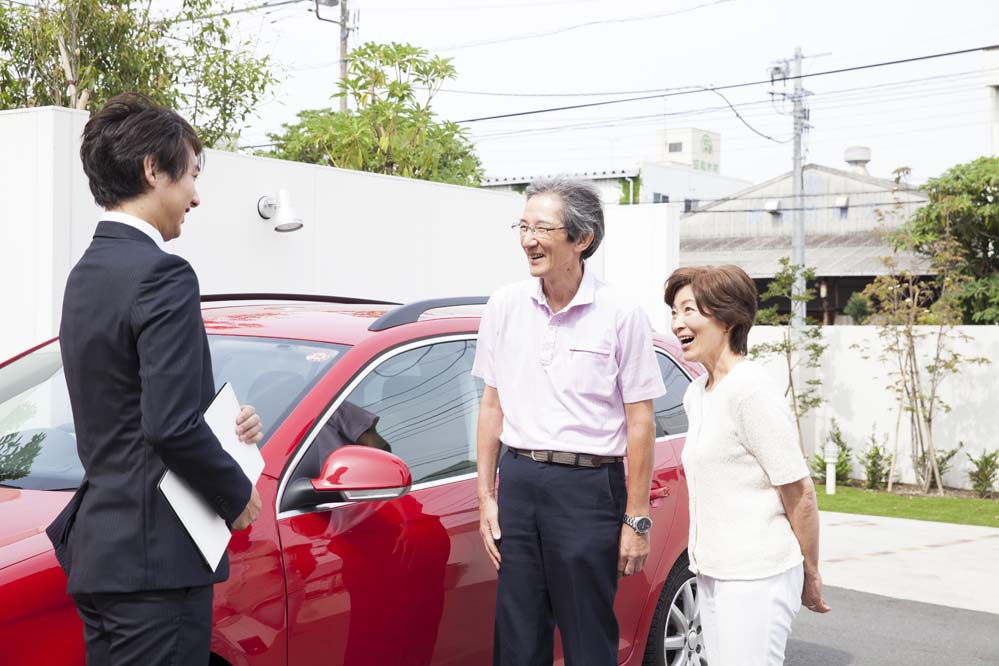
(139, 374)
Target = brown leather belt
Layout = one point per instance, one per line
(566, 458)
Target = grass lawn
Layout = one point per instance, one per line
(965, 511)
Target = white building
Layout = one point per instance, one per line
(845, 213)
(686, 172)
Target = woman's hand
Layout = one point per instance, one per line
(802, 510)
(811, 594)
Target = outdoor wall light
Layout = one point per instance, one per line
(280, 211)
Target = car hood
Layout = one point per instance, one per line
(24, 515)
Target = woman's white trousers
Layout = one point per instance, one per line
(747, 622)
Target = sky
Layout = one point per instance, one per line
(926, 115)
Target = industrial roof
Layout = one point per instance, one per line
(855, 254)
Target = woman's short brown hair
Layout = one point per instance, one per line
(723, 292)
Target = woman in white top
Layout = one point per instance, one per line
(754, 521)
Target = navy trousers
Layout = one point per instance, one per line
(152, 628)
(560, 527)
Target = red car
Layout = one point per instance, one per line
(363, 558)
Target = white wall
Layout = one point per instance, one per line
(365, 235)
(639, 252)
(680, 182)
(859, 398)
(38, 241)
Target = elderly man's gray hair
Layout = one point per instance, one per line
(582, 212)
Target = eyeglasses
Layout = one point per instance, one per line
(536, 230)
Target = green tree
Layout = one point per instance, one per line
(631, 193)
(916, 313)
(392, 130)
(964, 206)
(79, 53)
(16, 455)
(799, 346)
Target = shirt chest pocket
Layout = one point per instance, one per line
(593, 367)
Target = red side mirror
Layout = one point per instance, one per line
(361, 472)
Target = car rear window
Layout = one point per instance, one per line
(37, 435)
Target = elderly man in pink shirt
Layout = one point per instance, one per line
(570, 375)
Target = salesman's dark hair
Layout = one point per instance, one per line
(119, 137)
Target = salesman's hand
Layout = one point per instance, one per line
(248, 425)
(250, 513)
(634, 550)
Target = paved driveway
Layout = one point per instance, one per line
(872, 630)
(935, 563)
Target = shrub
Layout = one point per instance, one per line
(876, 461)
(858, 308)
(843, 457)
(945, 459)
(983, 476)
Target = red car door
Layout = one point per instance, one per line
(402, 581)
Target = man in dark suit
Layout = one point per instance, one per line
(139, 374)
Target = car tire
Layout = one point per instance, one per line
(676, 638)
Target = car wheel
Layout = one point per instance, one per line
(676, 638)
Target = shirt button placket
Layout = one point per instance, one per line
(548, 342)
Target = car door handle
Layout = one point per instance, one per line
(659, 493)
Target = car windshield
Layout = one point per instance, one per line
(37, 436)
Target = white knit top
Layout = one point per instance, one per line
(741, 443)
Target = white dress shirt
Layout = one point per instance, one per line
(136, 223)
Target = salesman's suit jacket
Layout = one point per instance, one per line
(139, 374)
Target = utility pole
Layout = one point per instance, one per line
(344, 34)
(345, 28)
(798, 228)
(800, 115)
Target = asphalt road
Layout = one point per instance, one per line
(871, 630)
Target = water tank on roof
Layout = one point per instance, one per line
(858, 157)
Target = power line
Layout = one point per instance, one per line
(616, 93)
(529, 5)
(823, 103)
(242, 10)
(729, 86)
(547, 33)
(882, 90)
(744, 122)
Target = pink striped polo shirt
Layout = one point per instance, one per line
(563, 378)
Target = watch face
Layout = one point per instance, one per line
(643, 525)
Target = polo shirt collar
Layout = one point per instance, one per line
(584, 295)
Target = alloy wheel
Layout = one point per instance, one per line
(683, 639)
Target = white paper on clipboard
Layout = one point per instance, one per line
(207, 528)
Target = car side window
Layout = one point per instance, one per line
(422, 405)
(670, 417)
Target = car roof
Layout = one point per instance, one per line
(317, 319)
(350, 321)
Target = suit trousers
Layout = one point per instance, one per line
(560, 528)
(149, 628)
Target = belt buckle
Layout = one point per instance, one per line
(532, 456)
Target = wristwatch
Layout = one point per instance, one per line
(641, 524)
